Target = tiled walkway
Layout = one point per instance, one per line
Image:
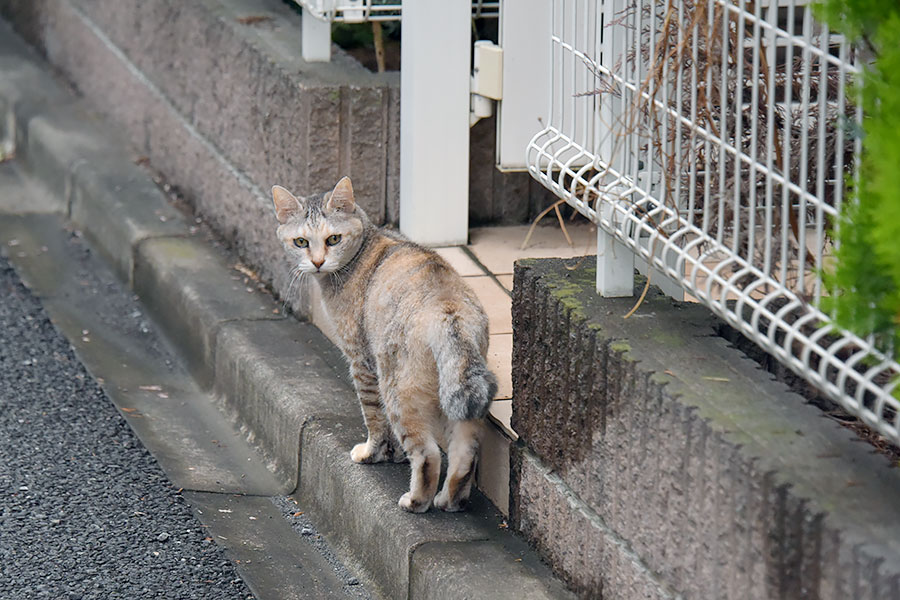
(487, 264)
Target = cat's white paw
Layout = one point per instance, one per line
(369, 452)
(407, 503)
(442, 501)
(362, 453)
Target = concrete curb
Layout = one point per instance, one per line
(276, 378)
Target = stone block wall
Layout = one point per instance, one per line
(656, 461)
(222, 107)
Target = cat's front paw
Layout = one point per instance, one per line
(370, 452)
(363, 453)
(442, 501)
(409, 504)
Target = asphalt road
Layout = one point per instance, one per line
(85, 510)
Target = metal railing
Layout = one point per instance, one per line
(711, 139)
(360, 11)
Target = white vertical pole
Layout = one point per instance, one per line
(615, 261)
(525, 29)
(315, 38)
(434, 121)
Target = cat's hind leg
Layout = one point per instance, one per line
(425, 470)
(414, 429)
(379, 445)
(462, 457)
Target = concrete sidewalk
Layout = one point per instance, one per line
(279, 381)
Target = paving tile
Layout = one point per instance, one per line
(506, 281)
(501, 414)
(496, 302)
(498, 247)
(499, 361)
(460, 261)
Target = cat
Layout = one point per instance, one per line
(413, 332)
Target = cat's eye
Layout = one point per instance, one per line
(301, 242)
(333, 239)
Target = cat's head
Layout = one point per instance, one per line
(321, 233)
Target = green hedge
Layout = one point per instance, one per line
(866, 280)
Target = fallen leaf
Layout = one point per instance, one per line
(668, 372)
(129, 410)
(716, 378)
(241, 268)
(298, 513)
(150, 388)
(253, 19)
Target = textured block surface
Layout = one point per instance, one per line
(719, 480)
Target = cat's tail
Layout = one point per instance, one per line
(465, 385)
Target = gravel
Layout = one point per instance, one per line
(86, 512)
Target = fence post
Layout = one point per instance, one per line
(615, 260)
(434, 121)
(525, 30)
(315, 37)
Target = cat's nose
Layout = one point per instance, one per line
(318, 263)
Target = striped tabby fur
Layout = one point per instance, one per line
(413, 332)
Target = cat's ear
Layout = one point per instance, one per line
(341, 198)
(286, 204)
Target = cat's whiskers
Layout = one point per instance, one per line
(296, 277)
(341, 274)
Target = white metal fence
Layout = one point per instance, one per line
(711, 138)
(359, 11)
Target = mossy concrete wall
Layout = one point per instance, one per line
(655, 460)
